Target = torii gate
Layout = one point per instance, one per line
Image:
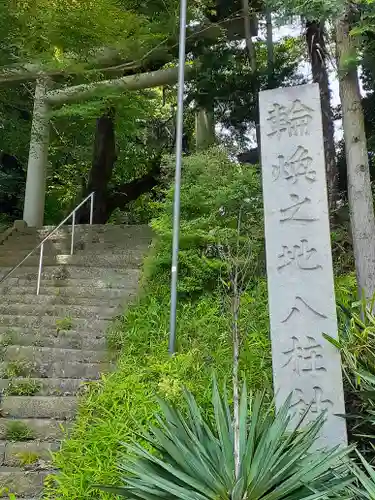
(45, 99)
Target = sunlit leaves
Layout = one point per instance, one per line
(67, 32)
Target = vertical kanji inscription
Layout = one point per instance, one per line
(299, 262)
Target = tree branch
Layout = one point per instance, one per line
(132, 190)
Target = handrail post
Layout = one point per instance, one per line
(73, 228)
(40, 268)
(49, 235)
(92, 209)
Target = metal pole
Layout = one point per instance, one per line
(73, 228)
(92, 209)
(40, 268)
(177, 185)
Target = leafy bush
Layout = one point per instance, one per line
(214, 192)
(356, 342)
(116, 407)
(194, 456)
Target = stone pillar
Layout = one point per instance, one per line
(204, 129)
(33, 212)
(299, 261)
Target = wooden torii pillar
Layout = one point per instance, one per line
(45, 100)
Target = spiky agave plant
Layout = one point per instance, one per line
(193, 457)
(364, 487)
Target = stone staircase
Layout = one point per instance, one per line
(51, 344)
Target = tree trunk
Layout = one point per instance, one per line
(130, 191)
(270, 52)
(204, 128)
(317, 52)
(104, 157)
(253, 64)
(359, 188)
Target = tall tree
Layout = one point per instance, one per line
(343, 14)
(318, 57)
(359, 187)
(253, 65)
(270, 50)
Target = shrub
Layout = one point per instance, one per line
(214, 192)
(116, 407)
(356, 342)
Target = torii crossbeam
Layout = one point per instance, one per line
(46, 99)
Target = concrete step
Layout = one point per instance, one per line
(53, 369)
(11, 321)
(23, 498)
(20, 244)
(127, 280)
(129, 231)
(21, 482)
(82, 245)
(28, 293)
(47, 337)
(132, 257)
(40, 428)
(60, 310)
(57, 299)
(22, 247)
(45, 386)
(24, 237)
(15, 454)
(43, 355)
(62, 273)
(49, 407)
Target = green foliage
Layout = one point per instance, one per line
(139, 211)
(10, 496)
(16, 368)
(143, 129)
(356, 342)
(67, 33)
(27, 458)
(342, 249)
(212, 195)
(226, 82)
(314, 9)
(18, 431)
(121, 402)
(24, 387)
(65, 324)
(214, 192)
(195, 458)
(365, 487)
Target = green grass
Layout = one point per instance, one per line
(118, 406)
(65, 324)
(18, 431)
(17, 368)
(27, 458)
(23, 388)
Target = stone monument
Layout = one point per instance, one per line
(299, 261)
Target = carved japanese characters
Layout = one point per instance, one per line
(299, 263)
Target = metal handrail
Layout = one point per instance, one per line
(41, 244)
